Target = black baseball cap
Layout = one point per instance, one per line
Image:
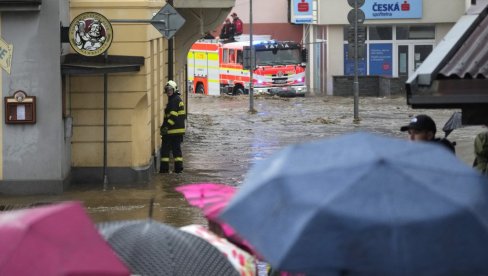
(420, 122)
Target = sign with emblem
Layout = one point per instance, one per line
(90, 34)
(6, 52)
(302, 12)
(393, 9)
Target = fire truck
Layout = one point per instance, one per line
(216, 68)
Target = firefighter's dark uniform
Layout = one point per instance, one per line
(174, 122)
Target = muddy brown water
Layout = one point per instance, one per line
(224, 140)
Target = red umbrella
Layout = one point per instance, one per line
(212, 198)
(55, 239)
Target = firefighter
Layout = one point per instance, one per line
(172, 129)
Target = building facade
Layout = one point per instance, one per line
(34, 156)
(399, 37)
(64, 144)
(269, 18)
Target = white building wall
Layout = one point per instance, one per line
(441, 31)
(332, 13)
(335, 53)
(274, 11)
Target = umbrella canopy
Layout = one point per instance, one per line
(242, 261)
(152, 248)
(456, 121)
(212, 198)
(365, 204)
(54, 240)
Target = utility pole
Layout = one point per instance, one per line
(251, 71)
(356, 47)
(356, 78)
(170, 52)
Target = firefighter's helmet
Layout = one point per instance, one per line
(173, 85)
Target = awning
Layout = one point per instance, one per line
(20, 5)
(456, 73)
(81, 65)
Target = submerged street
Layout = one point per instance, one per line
(223, 141)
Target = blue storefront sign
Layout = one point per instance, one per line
(392, 9)
(381, 59)
(349, 64)
(302, 12)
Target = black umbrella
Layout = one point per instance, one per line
(453, 123)
(152, 248)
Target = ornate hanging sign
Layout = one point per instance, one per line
(90, 34)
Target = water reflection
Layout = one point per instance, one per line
(224, 140)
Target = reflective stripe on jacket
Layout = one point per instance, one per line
(175, 115)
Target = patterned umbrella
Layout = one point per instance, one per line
(240, 259)
(152, 248)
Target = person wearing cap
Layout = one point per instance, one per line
(172, 129)
(423, 128)
(227, 31)
(238, 26)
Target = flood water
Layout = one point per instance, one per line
(223, 140)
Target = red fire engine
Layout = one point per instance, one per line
(215, 67)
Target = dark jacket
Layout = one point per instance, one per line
(175, 115)
(227, 31)
(481, 152)
(446, 143)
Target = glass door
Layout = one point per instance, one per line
(410, 57)
(403, 62)
(421, 52)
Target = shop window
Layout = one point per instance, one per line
(240, 57)
(415, 32)
(225, 56)
(232, 56)
(380, 33)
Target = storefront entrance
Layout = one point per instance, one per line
(410, 57)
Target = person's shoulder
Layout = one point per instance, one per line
(483, 136)
(446, 143)
(178, 98)
(481, 143)
(175, 98)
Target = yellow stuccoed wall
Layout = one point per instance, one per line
(135, 100)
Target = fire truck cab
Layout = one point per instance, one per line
(215, 67)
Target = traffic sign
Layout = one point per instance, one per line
(360, 3)
(351, 16)
(361, 34)
(361, 51)
(168, 21)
